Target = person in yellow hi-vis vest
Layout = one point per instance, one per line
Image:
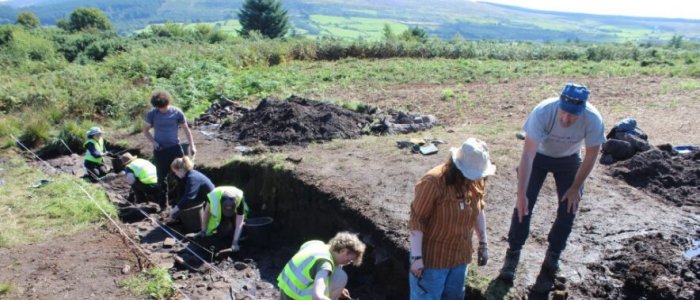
(95, 151)
(316, 271)
(143, 178)
(217, 219)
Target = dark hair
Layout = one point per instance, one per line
(161, 99)
(453, 176)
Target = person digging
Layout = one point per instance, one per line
(143, 178)
(95, 151)
(223, 217)
(556, 130)
(316, 270)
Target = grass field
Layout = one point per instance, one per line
(355, 27)
(33, 211)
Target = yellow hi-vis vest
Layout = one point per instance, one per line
(295, 281)
(99, 145)
(144, 171)
(215, 205)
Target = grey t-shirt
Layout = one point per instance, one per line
(556, 141)
(165, 125)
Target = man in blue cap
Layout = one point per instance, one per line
(556, 130)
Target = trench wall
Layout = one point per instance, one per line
(302, 212)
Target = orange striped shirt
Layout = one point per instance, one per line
(446, 216)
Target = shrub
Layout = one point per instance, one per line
(27, 19)
(100, 49)
(35, 133)
(88, 18)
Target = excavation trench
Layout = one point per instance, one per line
(302, 212)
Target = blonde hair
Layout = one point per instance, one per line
(346, 240)
(184, 164)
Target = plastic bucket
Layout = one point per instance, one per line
(257, 231)
(191, 218)
(117, 165)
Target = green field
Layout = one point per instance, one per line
(354, 27)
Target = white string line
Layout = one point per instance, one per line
(96, 204)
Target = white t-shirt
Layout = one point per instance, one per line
(556, 141)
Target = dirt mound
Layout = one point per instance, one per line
(676, 177)
(300, 121)
(296, 121)
(646, 267)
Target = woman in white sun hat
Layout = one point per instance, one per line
(447, 208)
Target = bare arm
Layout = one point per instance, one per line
(319, 288)
(524, 171)
(573, 194)
(416, 240)
(147, 132)
(205, 218)
(240, 220)
(481, 227)
(190, 140)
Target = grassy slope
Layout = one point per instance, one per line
(31, 214)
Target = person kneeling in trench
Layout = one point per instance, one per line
(316, 271)
(217, 217)
(197, 187)
(142, 176)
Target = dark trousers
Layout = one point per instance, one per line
(162, 159)
(564, 170)
(147, 193)
(96, 170)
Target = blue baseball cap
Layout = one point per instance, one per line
(573, 98)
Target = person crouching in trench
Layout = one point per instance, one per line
(218, 221)
(316, 270)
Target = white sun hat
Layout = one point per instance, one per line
(472, 159)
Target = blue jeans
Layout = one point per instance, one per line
(564, 170)
(435, 284)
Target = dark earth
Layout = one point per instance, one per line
(675, 177)
(637, 223)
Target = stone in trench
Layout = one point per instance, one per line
(126, 269)
(220, 285)
(169, 243)
(261, 285)
(240, 266)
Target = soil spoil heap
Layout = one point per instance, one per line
(676, 177)
(296, 121)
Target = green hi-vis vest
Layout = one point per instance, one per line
(144, 171)
(295, 281)
(215, 205)
(99, 145)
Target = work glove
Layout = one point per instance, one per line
(483, 254)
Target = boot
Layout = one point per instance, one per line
(550, 265)
(509, 265)
(548, 273)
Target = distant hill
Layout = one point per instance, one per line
(365, 18)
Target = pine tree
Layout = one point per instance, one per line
(265, 16)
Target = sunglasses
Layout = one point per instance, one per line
(573, 101)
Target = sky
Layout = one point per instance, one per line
(686, 9)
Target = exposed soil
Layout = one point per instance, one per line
(627, 240)
(647, 266)
(299, 121)
(87, 265)
(675, 177)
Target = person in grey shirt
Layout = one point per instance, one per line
(556, 130)
(165, 120)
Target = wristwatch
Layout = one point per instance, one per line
(415, 258)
